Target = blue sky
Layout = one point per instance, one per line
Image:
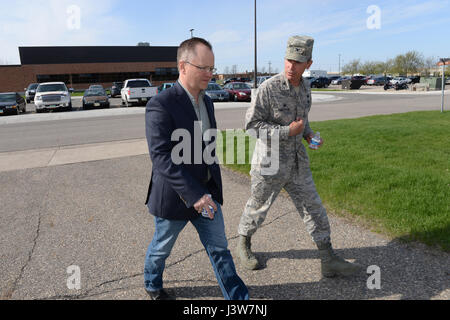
(339, 27)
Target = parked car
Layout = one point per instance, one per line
(339, 80)
(12, 103)
(96, 86)
(115, 89)
(378, 81)
(332, 78)
(320, 82)
(262, 79)
(414, 79)
(137, 91)
(216, 93)
(230, 80)
(239, 91)
(363, 78)
(30, 92)
(95, 98)
(52, 96)
(244, 79)
(165, 86)
(399, 80)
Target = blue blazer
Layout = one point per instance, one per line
(175, 188)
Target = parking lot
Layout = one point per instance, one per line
(77, 104)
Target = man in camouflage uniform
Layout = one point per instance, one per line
(280, 111)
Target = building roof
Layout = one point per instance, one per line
(107, 54)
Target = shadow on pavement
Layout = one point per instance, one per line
(405, 273)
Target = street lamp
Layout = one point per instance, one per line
(192, 35)
(443, 62)
(339, 64)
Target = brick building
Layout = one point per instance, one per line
(80, 67)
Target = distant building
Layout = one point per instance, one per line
(80, 67)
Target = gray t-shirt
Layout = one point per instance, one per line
(199, 108)
(201, 112)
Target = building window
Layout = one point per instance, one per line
(52, 78)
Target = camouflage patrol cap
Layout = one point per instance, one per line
(299, 48)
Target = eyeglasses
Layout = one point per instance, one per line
(204, 69)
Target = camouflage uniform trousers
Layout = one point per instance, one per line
(301, 189)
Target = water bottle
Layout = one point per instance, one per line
(204, 212)
(315, 141)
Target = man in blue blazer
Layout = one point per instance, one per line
(183, 184)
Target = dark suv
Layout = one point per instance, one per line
(320, 82)
(115, 89)
(31, 92)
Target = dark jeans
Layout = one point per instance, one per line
(212, 236)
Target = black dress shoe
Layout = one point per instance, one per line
(160, 294)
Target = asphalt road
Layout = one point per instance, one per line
(90, 214)
(34, 131)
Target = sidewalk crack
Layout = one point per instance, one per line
(31, 252)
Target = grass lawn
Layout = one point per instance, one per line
(80, 94)
(324, 89)
(390, 172)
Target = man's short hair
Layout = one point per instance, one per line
(187, 48)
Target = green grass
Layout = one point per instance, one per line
(80, 94)
(389, 172)
(323, 89)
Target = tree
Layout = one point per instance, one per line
(226, 70)
(372, 67)
(234, 69)
(143, 44)
(428, 65)
(410, 62)
(352, 67)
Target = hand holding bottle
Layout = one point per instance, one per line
(314, 141)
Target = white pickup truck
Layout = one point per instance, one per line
(137, 91)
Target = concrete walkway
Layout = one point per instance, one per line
(84, 206)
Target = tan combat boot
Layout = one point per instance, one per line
(245, 254)
(332, 265)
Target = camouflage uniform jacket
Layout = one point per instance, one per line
(275, 106)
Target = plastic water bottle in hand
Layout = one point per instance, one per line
(315, 141)
(204, 212)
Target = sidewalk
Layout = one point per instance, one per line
(92, 214)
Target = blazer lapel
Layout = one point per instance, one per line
(185, 101)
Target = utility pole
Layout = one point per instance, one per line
(270, 69)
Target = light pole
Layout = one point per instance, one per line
(444, 62)
(339, 64)
(192, 34)
(256, 64)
